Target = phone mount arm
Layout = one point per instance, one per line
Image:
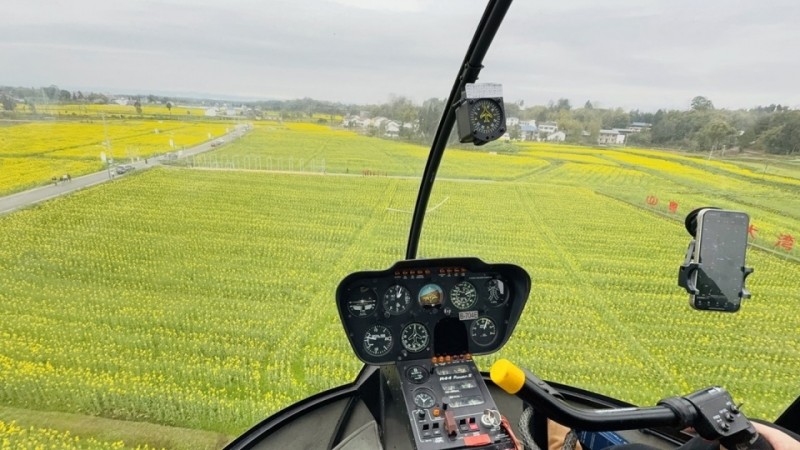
(690, 265)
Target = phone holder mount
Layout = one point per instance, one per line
(687, 269)
(690, 265)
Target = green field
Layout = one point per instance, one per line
(203, 299)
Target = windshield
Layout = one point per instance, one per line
(176, 212)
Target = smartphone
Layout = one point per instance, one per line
(720, 247)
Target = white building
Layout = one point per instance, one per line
(558, 136)
(610, 137)
(548, 128)
(512, 121)
(392, 128)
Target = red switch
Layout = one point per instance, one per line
(475, 441)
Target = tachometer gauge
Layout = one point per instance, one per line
(414, 337)
(483, 331)
(463, 295)
(497, 292)
(424, 398)
(396, 300)
(378, 340)
(364, 303)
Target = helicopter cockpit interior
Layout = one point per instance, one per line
(418, 325)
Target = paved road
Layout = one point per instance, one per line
(25, 198)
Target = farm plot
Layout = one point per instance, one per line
(205, 299)
(32, 153)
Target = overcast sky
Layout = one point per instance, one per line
(634, 54)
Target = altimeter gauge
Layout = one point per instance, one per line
(463, 295)
(415, 337)
(378, 340)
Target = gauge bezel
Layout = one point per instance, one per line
(453, 295)
(426, 333)
(362, 290)
(425, 391)
(370, 331)
(497, 121)
(408, 296)
(473, 326)
(505, 296)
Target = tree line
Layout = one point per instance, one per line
(701, 127)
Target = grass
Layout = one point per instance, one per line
(133, 434)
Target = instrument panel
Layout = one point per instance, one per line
(423, 308)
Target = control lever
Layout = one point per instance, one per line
(710, 411)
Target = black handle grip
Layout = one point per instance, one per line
(758, 443)
(761, 443)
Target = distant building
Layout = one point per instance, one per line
(512, 121)
(611, 137)
(558, 136)
(528, 132)
(548, 128)
(392, 129)
(638, 127)
(210, 112)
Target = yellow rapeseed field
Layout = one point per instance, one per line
(32, 153)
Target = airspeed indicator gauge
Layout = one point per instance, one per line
(378, 340)
(396, 300)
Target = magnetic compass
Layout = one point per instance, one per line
(480, 120)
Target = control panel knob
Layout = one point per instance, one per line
(491, 418)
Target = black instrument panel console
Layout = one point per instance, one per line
(423, 308)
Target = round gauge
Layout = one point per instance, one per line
(417, 374)
(396, 300)
(378, 340)
(424, 398)
(486, 117)
(415, 337)
(363, 304)
(497, 292)
(483, 331)
(431, 295)
(463, 295)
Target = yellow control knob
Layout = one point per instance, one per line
(509, 377)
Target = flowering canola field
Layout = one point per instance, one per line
(204, 299)
(12, 436)
(32, 153)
